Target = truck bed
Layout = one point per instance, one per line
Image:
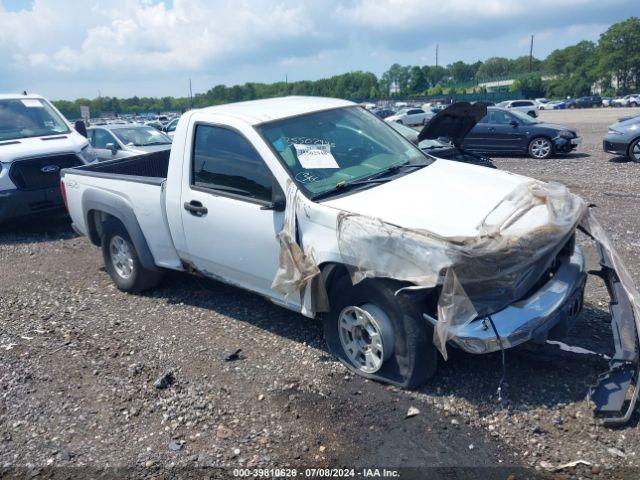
(147, 168)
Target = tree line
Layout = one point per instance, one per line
(612, 66)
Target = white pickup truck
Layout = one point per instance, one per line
(36, 142)
(324, 209)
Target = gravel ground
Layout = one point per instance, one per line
(78, 362)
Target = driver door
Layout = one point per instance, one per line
(229, 233)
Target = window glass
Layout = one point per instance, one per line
(224, 160)
(140, 136)
(499, 117)
(324, 149)
(101, 137)
(29, 117)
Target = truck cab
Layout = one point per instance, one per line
(36, 142)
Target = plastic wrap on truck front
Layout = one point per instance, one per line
(476, 275)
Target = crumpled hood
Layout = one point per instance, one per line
(11, 150)
(447, 198)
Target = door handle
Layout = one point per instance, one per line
(492, 129)
(195, 208)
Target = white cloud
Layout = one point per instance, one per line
(146, 46)
(141, 35)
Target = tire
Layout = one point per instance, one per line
(400, 122)
(633, 104)
(537, 149)
(122, 262)
(405, 355)
(634, 151)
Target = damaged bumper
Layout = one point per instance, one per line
(552, 308)
(566, 145)
(616, 392)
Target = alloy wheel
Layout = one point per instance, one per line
(540, 148)
(121, 256)
(366, 336)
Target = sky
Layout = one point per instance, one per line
(65, 49)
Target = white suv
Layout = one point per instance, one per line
(525, 106)
(411, 116)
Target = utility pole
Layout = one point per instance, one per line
(531, 55)
(437, 55)
(190, 94)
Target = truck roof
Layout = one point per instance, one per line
(260, 111)
(11, 96)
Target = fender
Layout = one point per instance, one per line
(101, 201)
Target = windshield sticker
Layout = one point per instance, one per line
(307, 177)
(308, 141)
(32, 102)
(315, 156)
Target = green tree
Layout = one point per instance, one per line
(619, 54)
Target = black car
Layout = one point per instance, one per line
(584, 102)
(455, 121)
(511, 131)
(384, 112)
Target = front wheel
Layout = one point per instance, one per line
(634, 150)
(379, 335)
(540, 148)
(122, 262)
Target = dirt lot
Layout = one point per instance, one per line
(78, 361)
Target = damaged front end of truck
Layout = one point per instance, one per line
(521, 277)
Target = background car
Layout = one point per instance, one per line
(411, 116)
(553, 105)
(606, 101)
(589, 101)
(623, 138)
(632, 100)
(526, 106)
(121, 141)
(444, 148)
(170, 128)
(502, 131)
(384, 112)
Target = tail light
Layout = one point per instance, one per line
(63, 192)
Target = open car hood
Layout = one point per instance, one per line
(454, 122)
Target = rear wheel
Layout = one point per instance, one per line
(379, 335)
(122, 262)
(540, 148)
(634, 150)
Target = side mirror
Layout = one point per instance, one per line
(81, 128)
(278, 199)
(113, 147)
(514, 123)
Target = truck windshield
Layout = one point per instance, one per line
(140, 136)
(29, 117)
(327, 149)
